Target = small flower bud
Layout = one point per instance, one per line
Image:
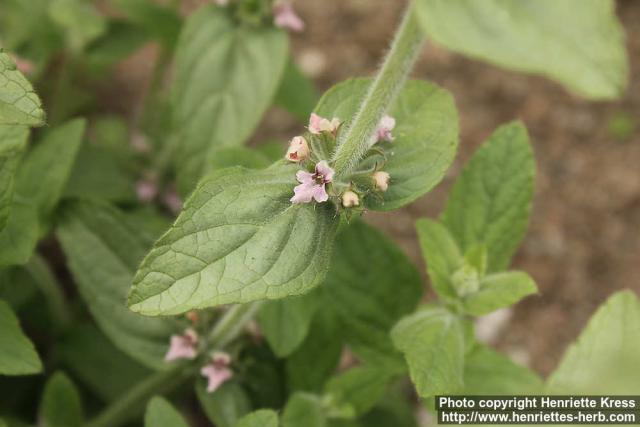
(381, 180)
(318, 125)
(286, 18)
(298, 149)
(387, 123)
(350, 199)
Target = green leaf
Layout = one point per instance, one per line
(394, 410)
(100, 366)
(321, 349)
(426, 135)
(50, 162)
(371, 284)
(101, 173)
(60, 405)
(102, 252)
(285, 323)
(120, 40)
(297, 93)
(261, 418)
(13, 140)
(238, 239)
(19, 104)
(432, 341)
(441, 254)
(604, 359)
(358, 389)
(491, 200)
(487, 372)
(226, 405)
(20, 235)
(160, 413)
(497, 291)
(79, 20)
(579, 43)
(303, 410)
(162, 23)
(226, 76)
(226, 157)
(17, 354)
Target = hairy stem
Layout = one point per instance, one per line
(228, 328)
(356, 140)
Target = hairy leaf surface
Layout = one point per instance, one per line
(579, 43)
(604, 359)
(499, 290)
(426, 135)
(238, 239)
(12, 143)
(19, 104)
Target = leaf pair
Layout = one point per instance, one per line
(239, 238)
(484, 221)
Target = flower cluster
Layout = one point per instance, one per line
(316, 178)
(217, 370)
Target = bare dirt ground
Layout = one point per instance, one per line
(584, 239)
(583, 243)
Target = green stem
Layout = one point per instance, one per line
(354, 143)
(232, 324)
(228, 328)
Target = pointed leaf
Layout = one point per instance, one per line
(13, 140)
(20, 235)
(17, 354)
(491, 200)
(19, 104)
(579, 43)
(426, 135)
(226, 76)
(60, 405)
(102, 252)
(160, 413)
(261, 418)
(497, 291)
(50, 162)
(442, 255)
(432, 341)
(604, 359)
(238, 239)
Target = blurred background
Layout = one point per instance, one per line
(584, 239)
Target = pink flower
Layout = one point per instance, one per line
(146, 190)
(312, 185)
(286, 18)
(298, 150)
(387, 123)
(183, 346)
(381, 180)
(172, 200)
(24, 65)
(318, 124)
(217, 371)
